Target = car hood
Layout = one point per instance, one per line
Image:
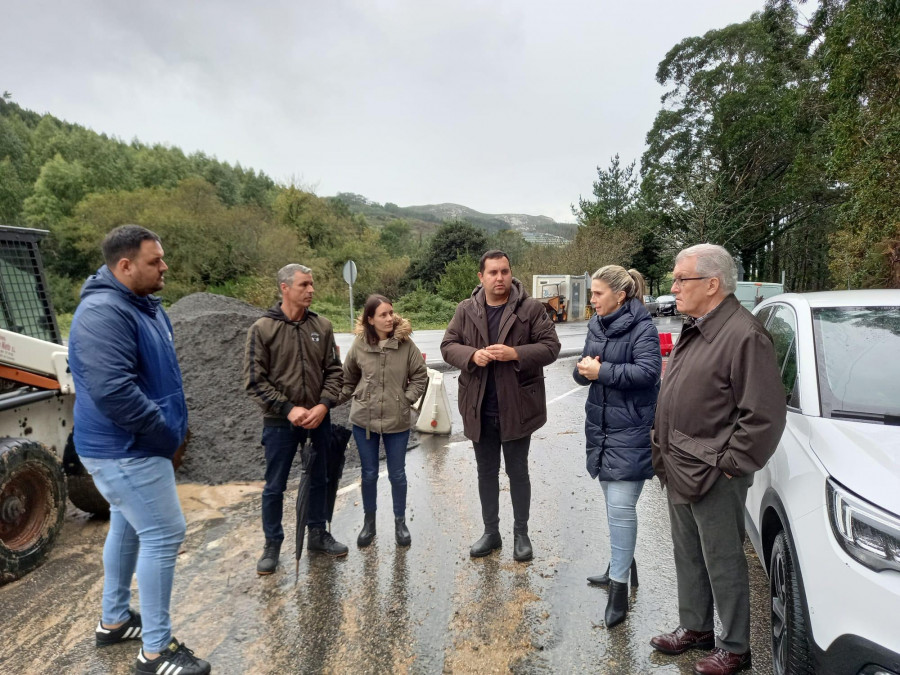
(863, 457)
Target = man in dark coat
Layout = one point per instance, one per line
(501, 339)
(292, 371)
(720, 415)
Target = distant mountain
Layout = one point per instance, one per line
(441, 213)
(516, 221)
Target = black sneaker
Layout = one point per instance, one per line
(176, 659)
(130, 630)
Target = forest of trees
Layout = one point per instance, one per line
(778, 138)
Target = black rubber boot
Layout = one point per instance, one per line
(489, 542)
(269, 560)
(401, 532)
(321, 541)
(603, 579)
(616, 603)
(367, 533)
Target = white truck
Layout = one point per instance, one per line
(38, 463)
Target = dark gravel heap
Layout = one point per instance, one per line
(226, 425)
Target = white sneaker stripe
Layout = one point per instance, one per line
(180, 668)
(170, 669)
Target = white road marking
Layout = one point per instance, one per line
(355, 485)
(568, 393)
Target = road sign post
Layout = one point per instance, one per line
(350, 278)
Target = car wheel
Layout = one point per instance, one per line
(790, 644)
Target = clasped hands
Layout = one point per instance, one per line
(308, 418)
(589, 367)
(482, 357)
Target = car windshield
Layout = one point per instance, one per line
(856, 354)
(666, 298)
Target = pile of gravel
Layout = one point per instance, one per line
(226, 425)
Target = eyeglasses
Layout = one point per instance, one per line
(678, 281)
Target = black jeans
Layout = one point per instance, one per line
(280, 443)
(515, 457)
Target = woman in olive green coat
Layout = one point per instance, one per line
(384, 374)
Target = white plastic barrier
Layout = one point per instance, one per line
(434, 406)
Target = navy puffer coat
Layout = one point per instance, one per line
(622, 400)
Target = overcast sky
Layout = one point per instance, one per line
(505, 106)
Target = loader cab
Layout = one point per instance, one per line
(25, 304)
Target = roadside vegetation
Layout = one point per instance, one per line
(778, 138)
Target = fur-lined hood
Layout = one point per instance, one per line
(402, 328)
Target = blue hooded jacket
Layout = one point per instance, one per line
(622, 400)
(129, 398)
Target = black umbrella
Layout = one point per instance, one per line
(340, 437)
(307, 455)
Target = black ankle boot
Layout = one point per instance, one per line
(367, 533)
(603, 579)
(522, 551)
(489, 542)
(401, 532)
(269, 559)
(616, 603)
(321, 541)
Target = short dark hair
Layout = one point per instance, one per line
(373, 302)
(124, 242)
(493, 254)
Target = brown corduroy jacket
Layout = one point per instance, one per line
(722, 406)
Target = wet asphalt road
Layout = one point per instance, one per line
(426, 609)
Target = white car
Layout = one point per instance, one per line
(824, 513)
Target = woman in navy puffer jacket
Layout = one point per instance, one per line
(621, 362)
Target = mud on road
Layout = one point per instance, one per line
(426, 609)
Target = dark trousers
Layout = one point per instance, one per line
(710, 564)
(395, 454)
(281, 443)
(515, 458)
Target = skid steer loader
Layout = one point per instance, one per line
(38, 463)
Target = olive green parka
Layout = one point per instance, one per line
(383, 382)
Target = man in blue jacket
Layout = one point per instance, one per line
(130, 418)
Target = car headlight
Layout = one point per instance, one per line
(867, 533)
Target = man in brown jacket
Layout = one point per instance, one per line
(501, 339)
(292, 370)
(720, 413)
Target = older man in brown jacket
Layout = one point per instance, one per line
(501, 339)
(720, 413)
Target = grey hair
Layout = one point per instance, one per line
(620, 279)
(287, 273)
(713, 261)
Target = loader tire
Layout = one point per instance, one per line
(32, 505)
(82, 491)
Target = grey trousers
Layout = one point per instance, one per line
(710, 564)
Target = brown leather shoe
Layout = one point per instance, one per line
(682, 639)
(722, 662)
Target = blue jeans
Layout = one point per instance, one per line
(621, 499)
(146, 528)
(395, 452)
(281, 443)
